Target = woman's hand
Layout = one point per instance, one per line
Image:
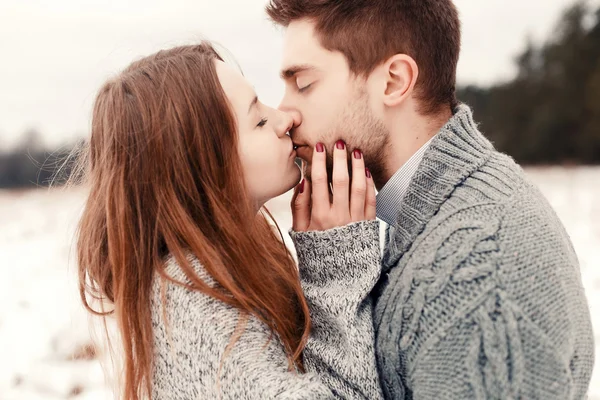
(313, 208)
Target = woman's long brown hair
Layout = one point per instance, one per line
(165, 178)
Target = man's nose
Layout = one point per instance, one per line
(295, 116)
(289, 108)
(286, 121)
(292, 112)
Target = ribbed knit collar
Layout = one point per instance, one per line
(455, 153)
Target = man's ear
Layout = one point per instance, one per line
(401, 73)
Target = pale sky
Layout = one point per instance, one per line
(55, 54)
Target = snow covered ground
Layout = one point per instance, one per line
(45, 345)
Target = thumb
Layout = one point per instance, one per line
(301, 207)
(371, 198)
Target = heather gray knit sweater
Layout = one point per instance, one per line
(481, 294)
(338, 270)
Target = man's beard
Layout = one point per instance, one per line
(363, 131)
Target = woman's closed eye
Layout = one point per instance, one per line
(262, 122)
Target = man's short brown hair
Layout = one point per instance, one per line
(368, 32)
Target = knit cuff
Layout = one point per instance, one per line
(340, 253)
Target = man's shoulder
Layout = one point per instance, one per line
(499, 179)
(501, 188)
(477, 239)
(477, 245)
(514, 216)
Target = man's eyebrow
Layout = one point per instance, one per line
(254, 102)
(291, 71)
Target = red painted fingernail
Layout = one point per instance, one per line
(357, 154)
(301, 188)
(340, 145)
(320, 148)
(368, 172)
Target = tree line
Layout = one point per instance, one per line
(550, 112)
(31, 164)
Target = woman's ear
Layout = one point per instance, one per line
(401, 73)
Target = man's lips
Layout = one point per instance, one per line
(299, 146)
(303, 151)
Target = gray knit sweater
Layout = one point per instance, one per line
(481, 294)
(338, 270)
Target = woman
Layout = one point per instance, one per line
(207, 298)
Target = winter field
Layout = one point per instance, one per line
(46, 350)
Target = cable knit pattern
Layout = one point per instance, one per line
(481, 296)
(190, 345)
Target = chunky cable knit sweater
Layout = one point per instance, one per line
(338, 270)
(481, 294)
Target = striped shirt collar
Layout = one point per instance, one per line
(390, 196)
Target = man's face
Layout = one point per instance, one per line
(333, 103)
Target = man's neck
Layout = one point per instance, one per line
(408, 133)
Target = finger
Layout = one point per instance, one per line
(358, 188)
(319, 182)
(370, 200)
(301, 207)
(341, 180)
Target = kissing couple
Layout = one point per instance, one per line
(476, 295)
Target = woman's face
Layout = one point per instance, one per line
(266, 151)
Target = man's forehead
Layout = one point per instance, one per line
(298, 61)
(300, 45)
(300, 30)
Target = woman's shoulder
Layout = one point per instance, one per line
(173, 302)
(173, 269)
(185, 311)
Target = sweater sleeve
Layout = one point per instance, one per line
(338, 269)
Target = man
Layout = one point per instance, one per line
(480, 294)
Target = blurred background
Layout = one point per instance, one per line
(530, 69)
